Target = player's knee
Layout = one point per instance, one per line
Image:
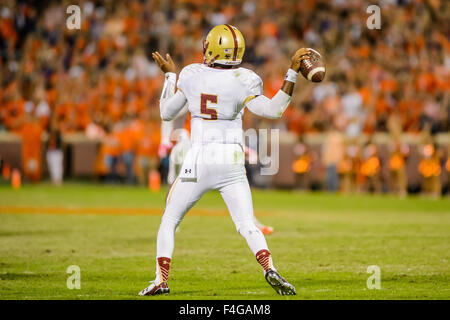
(246, 228)
(168, 222)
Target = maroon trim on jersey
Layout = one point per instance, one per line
(235, 42)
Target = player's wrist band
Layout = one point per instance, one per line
(171, 76)
(291, 76)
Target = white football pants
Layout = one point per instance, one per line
(229, 178)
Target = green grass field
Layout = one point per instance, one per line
(323, 244)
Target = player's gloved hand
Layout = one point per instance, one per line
(165, 65)
(300, 54)
(163, 149)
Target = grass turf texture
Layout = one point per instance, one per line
(323, 244)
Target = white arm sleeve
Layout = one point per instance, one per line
(270, 108)
(171, 104)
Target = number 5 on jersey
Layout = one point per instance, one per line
(204, 98)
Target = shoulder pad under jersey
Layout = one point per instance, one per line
(250, 80)
(190, 70)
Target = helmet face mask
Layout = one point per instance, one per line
(223, 45)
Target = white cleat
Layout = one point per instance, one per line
(153, 290)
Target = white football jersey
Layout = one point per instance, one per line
(216, 99)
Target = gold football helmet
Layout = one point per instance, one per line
(224, 45)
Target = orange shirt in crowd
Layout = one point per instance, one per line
(82, 116)
(31, 150)
(149, 142)
(388, 85)
(426, 82)
(7, 29)
(62, 111)
(366, 95)
(114, 109)
(111, 144)
(126, 139)
(381, 106)
(136, 128)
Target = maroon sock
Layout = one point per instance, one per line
(164, 266)
(263, 257)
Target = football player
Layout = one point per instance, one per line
(217, 93)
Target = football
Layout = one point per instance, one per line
(313, 68)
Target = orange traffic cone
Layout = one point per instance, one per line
(154, 181)
(16, 179)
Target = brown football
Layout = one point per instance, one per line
(313, 68)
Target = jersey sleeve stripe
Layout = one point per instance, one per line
(248, 99)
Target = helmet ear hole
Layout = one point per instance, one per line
(210, 53)
(220, 41)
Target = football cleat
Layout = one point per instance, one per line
(153, 289)
(281, 286)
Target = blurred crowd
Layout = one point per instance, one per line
(100, 80)
(349, 166)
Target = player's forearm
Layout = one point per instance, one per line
(170, 80)
(270, 108)
(171, 103)
(169, 108)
